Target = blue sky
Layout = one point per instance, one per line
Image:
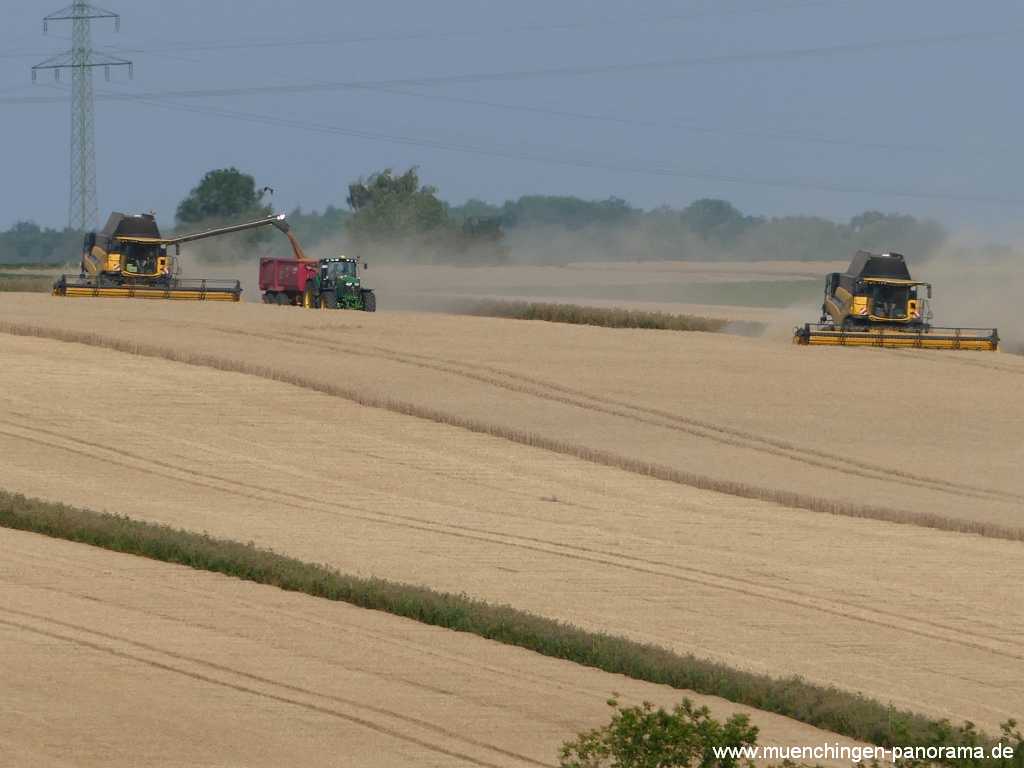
(824, 107)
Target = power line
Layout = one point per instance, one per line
(565, 159)
(81, 60)
(630, 121)
(778, 135)
(565, 71)
(393, 87)
(437, 35)
(683, 63)
(568, 26)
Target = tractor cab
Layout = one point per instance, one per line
(338, 268)
(339, 274)
(339, 287)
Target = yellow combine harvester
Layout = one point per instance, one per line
(128, 259)
(876, 303)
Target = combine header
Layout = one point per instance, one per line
(128, 259)
(876, 303)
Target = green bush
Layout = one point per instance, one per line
(645, 737)
(688, 737)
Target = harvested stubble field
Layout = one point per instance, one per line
(929, 620)
(113, 660)
(754, 292)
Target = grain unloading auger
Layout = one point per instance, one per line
(876, 303)
(129, 259)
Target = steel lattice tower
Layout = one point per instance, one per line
(81, 60)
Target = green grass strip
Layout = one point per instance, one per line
(829, 708)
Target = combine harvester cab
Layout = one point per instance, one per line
(876, 303)
(129, 259)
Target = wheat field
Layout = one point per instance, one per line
(902, 434)
(926, 619)
(117, 661)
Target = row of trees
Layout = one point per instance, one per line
(391, 214)
(395, 215)
(28, 243)
(706, 229)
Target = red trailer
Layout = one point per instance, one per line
(284, 281)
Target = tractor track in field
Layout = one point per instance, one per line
(586, 453)
(254, 685)
(897, 621)
(769, 443)
(355, 703)
(961, 359)
(547, 390)
(511, 679)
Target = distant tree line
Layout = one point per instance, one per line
(27, 243)
(396, 217)
(706, 229)
(392, 214)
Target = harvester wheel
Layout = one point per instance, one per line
(329, 300)
(369, 301)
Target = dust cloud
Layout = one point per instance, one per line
(977, 287)
(231, 257)
(629, 268)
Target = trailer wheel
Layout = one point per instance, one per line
(329, 300)
(369, 301)
(268, 298)
(282, 298)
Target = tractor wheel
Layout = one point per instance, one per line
(282, 298)
(369, 301)
(309, 299)
(329, 300)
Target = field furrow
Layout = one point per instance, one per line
(117, 661)
(926, 619)
(763, 418)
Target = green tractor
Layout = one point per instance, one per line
(337, 286)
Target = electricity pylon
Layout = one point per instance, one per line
(81, 60)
